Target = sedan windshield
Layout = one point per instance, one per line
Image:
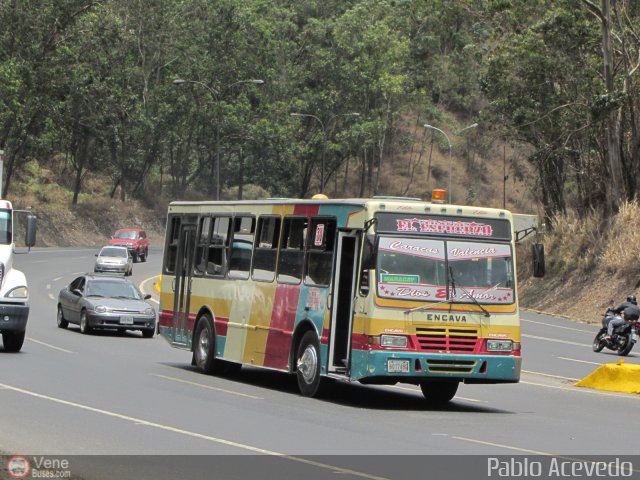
(103, 288)
(435, 270)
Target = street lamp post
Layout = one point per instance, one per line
(216, 94)
(426, 125)
(324, 136)
(473, 125)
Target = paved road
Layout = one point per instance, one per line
(72, 394)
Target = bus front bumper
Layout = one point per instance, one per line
(414, 367)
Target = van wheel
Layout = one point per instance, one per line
(204, 352)
(62, 323)
(143, 256)
(13, 341)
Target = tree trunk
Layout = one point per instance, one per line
(616, 184)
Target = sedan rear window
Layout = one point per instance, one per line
(113, 252)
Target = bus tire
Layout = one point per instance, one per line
(204, 353)
(308, 365)
(439, 392)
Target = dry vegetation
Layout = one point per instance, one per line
(590, 261)
(45, 190)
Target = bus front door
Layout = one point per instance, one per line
(182, 284)
(342, 303)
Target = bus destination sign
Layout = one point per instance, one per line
(444, 225)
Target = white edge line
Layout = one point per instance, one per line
(555, 340)
(209, 387)
(555, 326)
(508, 447)
(139, 421)
(49, 345)
(550, 375)
(579, 361)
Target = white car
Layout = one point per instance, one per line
(115, 260)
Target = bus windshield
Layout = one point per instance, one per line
(435, 270)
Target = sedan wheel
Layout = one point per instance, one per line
(84, 324)
(62, 323)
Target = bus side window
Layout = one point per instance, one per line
(218, 246)
(265, 252)
(172, 247)
(204, 232)
(321, 243)
(241, 247)
(290, 260)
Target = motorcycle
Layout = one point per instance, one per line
(623, 338)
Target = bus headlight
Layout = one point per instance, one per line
(18, 292)
(499, 345)
(397, 341)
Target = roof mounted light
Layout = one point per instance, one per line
(439, 196)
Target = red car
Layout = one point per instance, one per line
(135, 239)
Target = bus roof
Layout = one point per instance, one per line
(412, 205)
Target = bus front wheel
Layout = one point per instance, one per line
(204, 355)
(439, 392)
(308, 365)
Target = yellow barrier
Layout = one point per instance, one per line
(613, 377)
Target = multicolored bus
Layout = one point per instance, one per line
(379, 291)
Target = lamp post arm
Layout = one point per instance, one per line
(426, 125)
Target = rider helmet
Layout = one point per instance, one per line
(632, 299)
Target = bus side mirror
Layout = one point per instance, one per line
(369, 252)
(537, 249)
(30, 236)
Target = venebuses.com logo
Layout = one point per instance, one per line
(18, 467)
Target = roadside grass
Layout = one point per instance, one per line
(590, 262)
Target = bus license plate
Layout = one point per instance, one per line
(127, 320)
(397, 366)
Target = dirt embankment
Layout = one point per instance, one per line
(93, 223)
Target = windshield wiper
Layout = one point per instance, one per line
(95, 295)
(468, 294)
(427, 307)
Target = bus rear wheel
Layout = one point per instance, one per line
(308, 366)
(439, 392)
(204, 354)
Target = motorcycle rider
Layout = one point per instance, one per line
(625, 312)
